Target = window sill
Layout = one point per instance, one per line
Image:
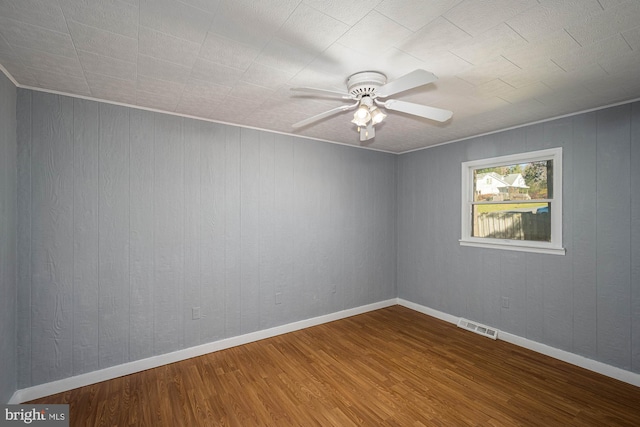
(508, 245)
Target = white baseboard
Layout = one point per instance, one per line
(563, 355)
(429, 311)
(572, 358)
(89, 378)
(82, 380)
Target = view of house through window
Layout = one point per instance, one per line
(513, 201)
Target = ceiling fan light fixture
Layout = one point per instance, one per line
(376, 115)
(367, 133)
(362, 116)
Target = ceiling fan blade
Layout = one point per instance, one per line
(415, 78)
(325, 92)
(425, 111)
(321, 116)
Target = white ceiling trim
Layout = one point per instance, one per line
(171, 113)
(137, 107)
(9, 76)
(577, 113)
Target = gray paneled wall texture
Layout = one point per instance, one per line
(128, 219)
(8, 224)
(586, 302)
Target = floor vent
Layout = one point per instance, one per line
(478, 328)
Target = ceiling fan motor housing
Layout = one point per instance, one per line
(365, 83)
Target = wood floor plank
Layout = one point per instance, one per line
(392, 367)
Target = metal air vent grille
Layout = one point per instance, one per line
(478, 328)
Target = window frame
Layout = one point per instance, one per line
(553, 247)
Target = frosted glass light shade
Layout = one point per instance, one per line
(377, 115)
(362, 116)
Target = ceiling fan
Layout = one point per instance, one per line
(367, 88)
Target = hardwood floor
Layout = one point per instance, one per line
(393, 367)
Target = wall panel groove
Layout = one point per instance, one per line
(24, 242)
(12, 203)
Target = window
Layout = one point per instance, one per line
(514, 202)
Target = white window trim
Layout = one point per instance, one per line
(553, 247)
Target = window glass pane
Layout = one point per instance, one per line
(516, 221)
(524, 181)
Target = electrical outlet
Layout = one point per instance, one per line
(278, 297)
(333, 289)
(505, 302)
(195, 313)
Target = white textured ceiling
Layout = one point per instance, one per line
(500, 63)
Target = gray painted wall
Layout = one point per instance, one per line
(8, 202)
(587, 302)
(128, 219)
